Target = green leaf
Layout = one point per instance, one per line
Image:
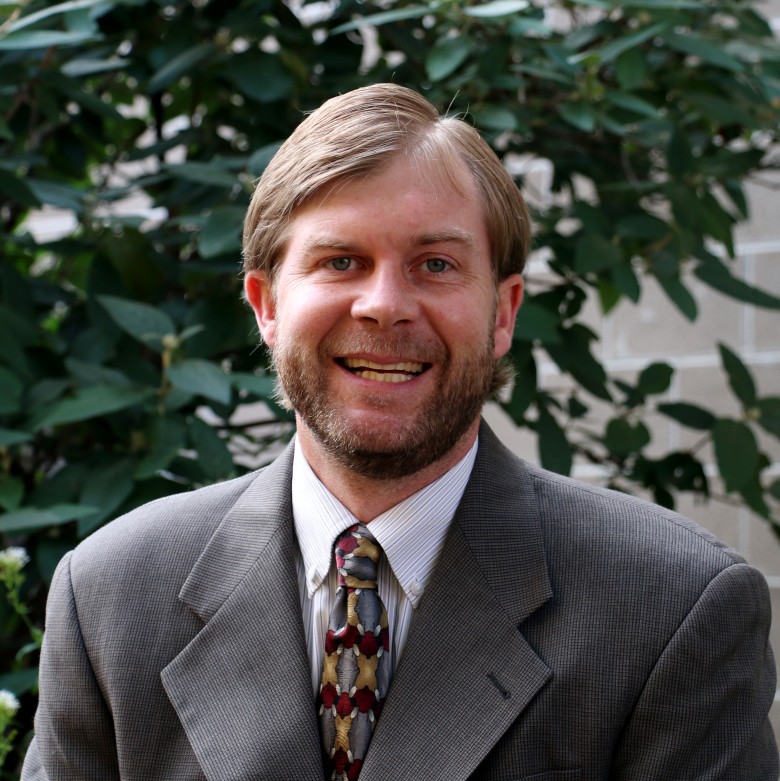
(11, 492)
(718, 277)
(55, 194)
(447, 56)
(536, 321)
(201, 377)
(48, 554)
(626, 281)
(260, 385)
(632, 103)
(655, 378)
(9, 437)
(108, 486)
(32, 518)
(54, 10)
(260, 76)
(213, 174)
(524, 390)
(495, 118)
(166, 437)
(736, 453)
(689, 415)
(754, 498)
(77, 67)
(182, 65)
(642, 226)
(20, 682)
(595, 253)
(631, 69)
(554, 449)
(721, 109)
(213, 455)
(769, 414)
(679, 295)
(684, 472)
(614, 49)
(574, 356)
(221, 232)
(15, 189)
(739, 376)
(44, 39)
(706, 51)
(655, 5)
(624, 438)
(580, 115)
(383, 17)
(145, 323)
(678, 154)
(11, 390)
(91, 402)
(87, 373)
(609, 294)
(495, 8)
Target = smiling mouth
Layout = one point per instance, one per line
(383, 372)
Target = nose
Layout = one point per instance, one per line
(385, 298)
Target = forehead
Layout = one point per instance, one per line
(430, 196)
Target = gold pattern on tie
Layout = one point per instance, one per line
(354, 669)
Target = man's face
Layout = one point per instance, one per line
(384, 319)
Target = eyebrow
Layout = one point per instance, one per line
(451, 235)
(314, 244)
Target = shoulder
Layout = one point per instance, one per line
(618, 516)
(178, 523)
(583, 525)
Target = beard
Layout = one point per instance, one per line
(393, 450)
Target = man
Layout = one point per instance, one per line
(488, 620)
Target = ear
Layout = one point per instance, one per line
(510, 296)
(259, 293)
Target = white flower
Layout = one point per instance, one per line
(8, 704)
(13, 559)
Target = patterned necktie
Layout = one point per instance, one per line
(354, 668)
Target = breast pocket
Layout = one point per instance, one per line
(551, 775)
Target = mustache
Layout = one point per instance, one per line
(392, 345)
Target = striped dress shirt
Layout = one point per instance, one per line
(411, 535)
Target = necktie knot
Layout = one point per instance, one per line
(357, 555)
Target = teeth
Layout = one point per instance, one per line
(407, 366)
(384, 372)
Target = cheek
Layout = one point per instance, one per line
(308, 316)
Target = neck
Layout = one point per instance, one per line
(365, 497)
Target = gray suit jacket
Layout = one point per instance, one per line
(567, 633)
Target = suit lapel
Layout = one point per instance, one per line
(242, 688)
(467, 672)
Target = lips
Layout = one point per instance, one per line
(403, 371)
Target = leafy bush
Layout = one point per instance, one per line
(128, 358)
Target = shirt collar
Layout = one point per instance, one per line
(411, 533)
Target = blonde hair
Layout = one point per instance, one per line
(356, 134)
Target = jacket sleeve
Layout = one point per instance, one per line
(74, 730)
(703, 712)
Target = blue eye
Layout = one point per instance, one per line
(436, 265)
(341, 264)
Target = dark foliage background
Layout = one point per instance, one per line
(127, 355)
